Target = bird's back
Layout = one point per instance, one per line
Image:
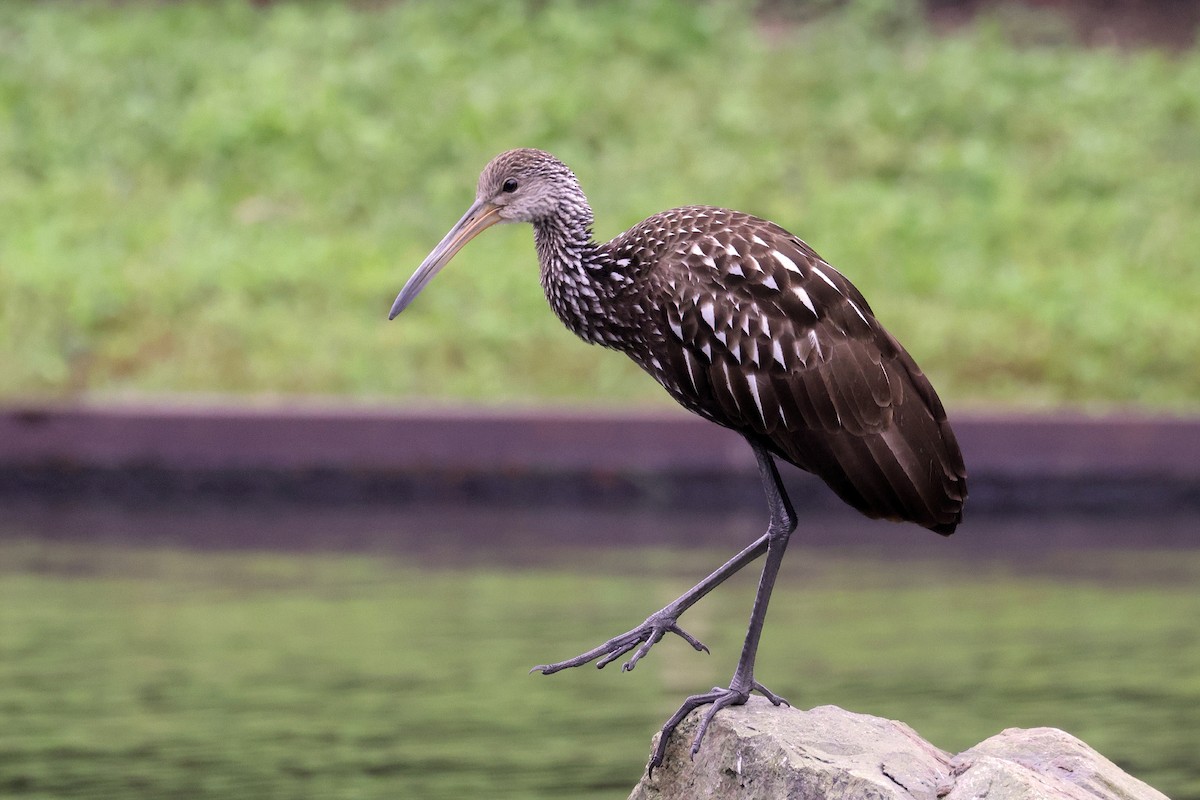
(745, 325)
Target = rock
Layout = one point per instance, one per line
(759, 752)
(1041, 762)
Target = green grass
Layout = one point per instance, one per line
(213, 198)
(136, 671)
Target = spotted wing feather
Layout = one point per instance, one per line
(764, 337)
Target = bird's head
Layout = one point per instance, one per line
(523, 185)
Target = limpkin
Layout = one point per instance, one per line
(744, 324)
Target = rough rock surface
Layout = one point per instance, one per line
(757, 751)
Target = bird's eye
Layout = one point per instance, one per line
(510, 185)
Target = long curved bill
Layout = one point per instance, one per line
(481, 215)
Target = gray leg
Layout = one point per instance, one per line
(661, 622)
(783, 522)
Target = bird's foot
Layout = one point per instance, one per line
(643, 637)
(718, 698)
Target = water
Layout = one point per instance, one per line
(325, 651)
(513, 536)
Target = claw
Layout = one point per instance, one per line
(643, 637)
(696, 644)
(617, 653)
(775, 699)
(719, 698)
(654, 639)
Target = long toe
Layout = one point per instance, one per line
(719, 698)
(767, 693)
(641, 638)
(729, 697)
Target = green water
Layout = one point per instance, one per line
(141, 670)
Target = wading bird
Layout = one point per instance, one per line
(745, 325)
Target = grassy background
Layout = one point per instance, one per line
(213, 198)
(155, 672)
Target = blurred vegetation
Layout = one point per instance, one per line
(151, 672)
(217, 198)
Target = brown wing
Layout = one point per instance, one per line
(766, 338)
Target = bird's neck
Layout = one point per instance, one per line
(585, 285)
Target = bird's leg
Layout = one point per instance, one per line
(661, 622)
(783, 522)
